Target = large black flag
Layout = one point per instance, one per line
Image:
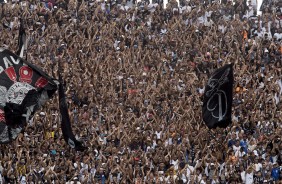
(65, 119)
(24, 88)
(217, 102)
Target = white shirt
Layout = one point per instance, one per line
(168, 142)
(266, 31)
(250, 178)
(201, 91)
(168, 178)
(201, 20)
(1, 179)
(185, 9)
(239, 154)
(258, 166)
(252, 147)
(183, 177)
(158, 134)
(23, 180)
(274, 159)
(154, 144)
(278, 35)
(243, 176)
(189, 170)
(254, 3)
(235, 148)
(221, 28)
(175, 164)
(208, 23)
(250, 12)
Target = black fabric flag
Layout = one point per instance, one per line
(24, 88)
(65, 119)
(218, 98)
(21, 38)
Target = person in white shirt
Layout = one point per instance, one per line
(175, 163)
(208, 22)
(236, 147)
(240, 153)
(278, 35)
(258, 165)
(23, 180)
(158, 133)
(189, 170)
(249, 177)
(253, 3)
(252, 145)
(243, 176)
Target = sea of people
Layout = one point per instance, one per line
(135, 74)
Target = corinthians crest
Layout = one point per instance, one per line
(15, 94)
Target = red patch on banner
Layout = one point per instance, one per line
(11, 73)
(41, 82)
(26, 74)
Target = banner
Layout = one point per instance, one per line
(65, 119)
(24, 88)
(217, 104)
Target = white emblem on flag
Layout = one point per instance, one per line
(17, 92)
(214, 92)
(71, 143)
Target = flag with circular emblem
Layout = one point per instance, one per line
(24, 88)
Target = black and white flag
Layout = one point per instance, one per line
(217, 104)
(24, 88)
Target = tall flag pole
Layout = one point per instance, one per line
(24, 88)
(65, 119)
(21, 40)
(217, 104)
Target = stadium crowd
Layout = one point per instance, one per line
(135, 75)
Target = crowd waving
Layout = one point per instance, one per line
(134, 76)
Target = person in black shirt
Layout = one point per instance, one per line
(258, 178)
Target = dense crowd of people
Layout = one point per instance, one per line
(135, 75)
